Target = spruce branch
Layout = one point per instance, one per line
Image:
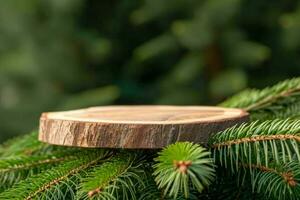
(279, 101)
(22, 145)
(228, 186)
(182, 165)
(117, 178)
(253, 99)
(16, 168)
(150, 191)
(57, 182)
(257, 143)
(282, 109)
(277, 181)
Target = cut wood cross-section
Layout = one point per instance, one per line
(145, 127)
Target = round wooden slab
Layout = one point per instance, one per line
(136, 126)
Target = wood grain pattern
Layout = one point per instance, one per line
(136, 126)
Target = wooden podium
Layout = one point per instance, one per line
(136, 127)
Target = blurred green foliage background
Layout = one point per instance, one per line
(65, 54)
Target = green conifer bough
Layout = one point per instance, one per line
(255, 160)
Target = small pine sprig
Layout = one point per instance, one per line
(278, 101)
(257, 143)
(117, 178)
(56, 183)
(182, 166)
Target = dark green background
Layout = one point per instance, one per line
(65, 54)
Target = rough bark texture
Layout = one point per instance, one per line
(135, 127)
